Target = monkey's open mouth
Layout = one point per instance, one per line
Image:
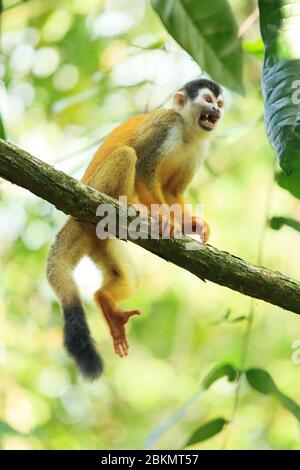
(207, 120)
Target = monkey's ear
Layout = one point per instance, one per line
(179, 99)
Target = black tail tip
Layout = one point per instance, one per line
(79, 344)
(90, 364)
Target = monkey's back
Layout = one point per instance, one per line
(145, 133)
(120, 136)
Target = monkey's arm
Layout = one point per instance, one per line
(151, 146)
(149, 194)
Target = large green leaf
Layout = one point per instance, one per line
(206, 431)
(262, 381)
(280, 24)
(208, 33)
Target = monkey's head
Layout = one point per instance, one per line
(201, 103)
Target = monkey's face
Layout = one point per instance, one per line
(210, 109)
(201, 104)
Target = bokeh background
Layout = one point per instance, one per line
(70, 71)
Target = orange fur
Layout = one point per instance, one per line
(121, 136)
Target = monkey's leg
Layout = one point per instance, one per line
(120, 280)
(115, 177)
(71, 244)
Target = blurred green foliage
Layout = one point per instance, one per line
(280, 28)
(70, 71)
(208, 34)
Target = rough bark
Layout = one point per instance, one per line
(205, 261)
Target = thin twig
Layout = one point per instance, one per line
(249, 21)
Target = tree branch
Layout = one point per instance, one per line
(206, 262)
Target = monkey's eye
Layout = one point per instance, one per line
(220, 104)
(208, 99)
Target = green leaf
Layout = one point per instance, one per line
(276, 223)
(221, 370)
(279, 24)
(262, 381)
(208, 34)
(6, 428)
(290, 182)
(206, 431)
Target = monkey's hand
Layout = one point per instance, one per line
(165, 225)
(198, 226)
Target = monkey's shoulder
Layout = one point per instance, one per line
(154, 131)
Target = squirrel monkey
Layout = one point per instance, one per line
(150, 159)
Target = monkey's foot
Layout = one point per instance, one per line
(201, 228)
(116, 323)
(116, 320)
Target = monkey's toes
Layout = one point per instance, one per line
(121, 347)
(130, 313)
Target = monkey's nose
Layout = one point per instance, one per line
(216, 112)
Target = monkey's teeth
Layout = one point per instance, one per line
(207, 120)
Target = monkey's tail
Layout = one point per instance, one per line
(77, 337)
(79, 343)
